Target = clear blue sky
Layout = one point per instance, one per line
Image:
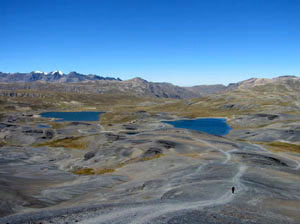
(183, 42)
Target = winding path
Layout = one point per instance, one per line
(143, 215)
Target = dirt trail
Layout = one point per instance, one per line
(141, 215)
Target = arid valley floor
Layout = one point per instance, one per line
(130, 167)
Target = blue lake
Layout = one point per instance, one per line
(214, 126)
(73, 116)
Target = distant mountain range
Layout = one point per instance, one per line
(93, 84)
(52, 77)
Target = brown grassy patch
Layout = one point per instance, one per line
(85, 171)
(152, 157)
(105, 170)
(57, 125)
(283, 147)
(191, 155)
(147, 197)
(91, 171)
(70, 142)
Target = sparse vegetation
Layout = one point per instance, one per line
(91, 171)
(101, 171)
(191, 155)
(105, 170)
(85, 171)
(152, 157)
(120, 107)
(57, 125)
(70, 143)
(283, 147)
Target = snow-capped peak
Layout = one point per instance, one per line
(57, 71)
(39, 72)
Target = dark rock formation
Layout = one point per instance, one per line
(49, 134)
(167, 144)
(89, 155)
(153, 151)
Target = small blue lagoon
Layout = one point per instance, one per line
(73, 116)
(214, 126)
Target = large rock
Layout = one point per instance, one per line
(89, 155)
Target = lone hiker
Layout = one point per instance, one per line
(232, 189)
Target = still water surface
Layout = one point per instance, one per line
(73, 116)
(214, 126)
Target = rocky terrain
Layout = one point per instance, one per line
(132, 168)
(79, 83)
(20, 83)
(207, 89)
(135, 87)
(146, 172)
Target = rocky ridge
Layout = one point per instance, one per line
(92, 84)
(51, 77)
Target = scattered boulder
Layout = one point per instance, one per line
(141, 111)
(268, 116)
(229, 106)
(130, 127)
(167, 144)
(114, 137)
(292, 132)
(89, 155)
(153, 151)
(79, 123)
(236, 107)
(12, 119)
(124, 152)
(48, 134)
(33, 131)
(171, 194)
(139, 141)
